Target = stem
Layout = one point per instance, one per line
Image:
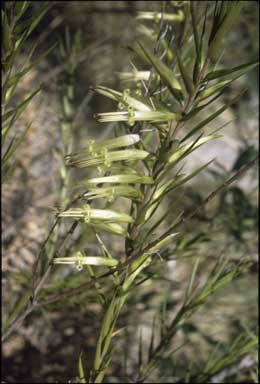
(32, 303)
(188, 215)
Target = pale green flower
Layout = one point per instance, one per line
(132, 116)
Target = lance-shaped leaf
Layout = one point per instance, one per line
(163, 70)
(129, 179)
(19, 8)
(173, 158)
(112, 192)
(163, 243)
(105, 158)
(14, 113)
(132, 116)
(212, 90)
(182, 180)
(195, 29)
(135, 269)
(225, 14)
(31, 23)
(187, 80)
(151, 206)
(14, 144)
(211, 117)
(92, 215)
(81, 370)
(6, 33)
(11, 82)
(232, 73)
(169, 186)
(198, 43)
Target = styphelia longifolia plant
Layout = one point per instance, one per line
(157, 113)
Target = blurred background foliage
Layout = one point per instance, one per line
(95, 35)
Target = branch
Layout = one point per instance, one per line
(188, 215)
(32, 303)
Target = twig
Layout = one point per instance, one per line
(32, 303)
(188, 215)
(34, 269)
(18, 321)
(42, 280)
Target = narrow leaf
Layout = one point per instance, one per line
(81, 370)
(165, 73)
(235, 71)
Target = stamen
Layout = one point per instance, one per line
(112, 196)
(131, 115)
(126, 93)
(107, 162)
(86, 211)
(90, 144)
(79, 261)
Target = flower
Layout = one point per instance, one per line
(132, 116)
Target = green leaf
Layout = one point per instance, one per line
(16, 112)
(163, 243)
(195, 30)
(6, 32)
(19, 8)
(235, 72)
(198, 44)
(135, 269)
(165, 73)
(212, 117)
(192, 278)
(185, 76)
(219, 86)
(31, 23)
(81, 370)
(184, 150)
(226, 13)
(179, 182)
(14, 145)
